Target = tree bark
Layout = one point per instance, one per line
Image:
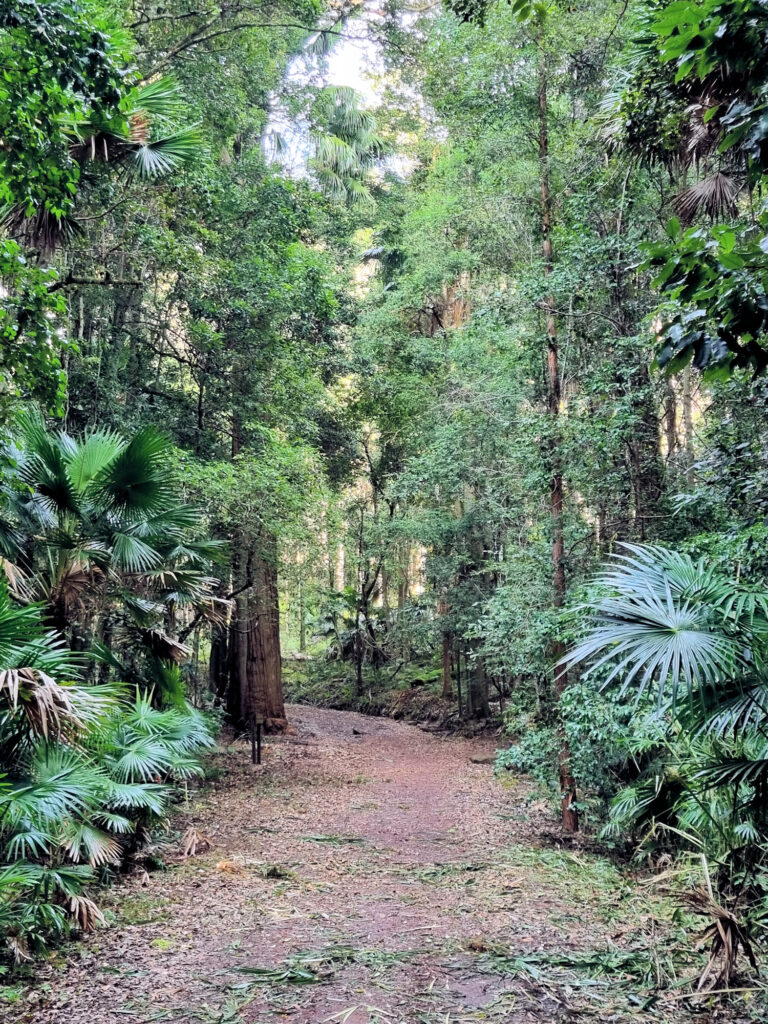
(690, 451)
(567, 782)
(264, 693)
(237, 689)
(442, 610)
(447, 692)
(670, 420)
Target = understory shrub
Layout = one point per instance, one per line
(611, 742)
(88, 772)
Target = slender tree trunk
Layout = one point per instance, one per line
(237, 691)
(690, 451)
(458, 681)
(477, 689)
(567, 781)
(447, 693)
(442, 611)
(670, 420)
(302, 623)
(217, 674)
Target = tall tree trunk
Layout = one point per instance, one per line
(458, 681)
(302, 614)
(237, 690)
(447, 692)
(264, 693)
(477, 688)
(217, 662)
(567, 781)
(645, 456)
(670, 419)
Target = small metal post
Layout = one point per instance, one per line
(255, 740)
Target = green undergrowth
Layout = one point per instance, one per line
(409, 691)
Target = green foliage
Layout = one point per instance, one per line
(611, 741)
(715, 281)
(57, 65)
(30, 348)
(710, 116)
(346, 146)
(682, 625)
(94, 528)
(87, 773)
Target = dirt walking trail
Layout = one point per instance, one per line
(367, 872)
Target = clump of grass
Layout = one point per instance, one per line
(635, 976)
(314, 966)
(144, 910)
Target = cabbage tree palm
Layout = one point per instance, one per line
(681, 626)
(346, 146)
(701, 640)
(143, 136)
(94, 528)
(86, 773)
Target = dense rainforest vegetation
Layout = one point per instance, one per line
(442, 398)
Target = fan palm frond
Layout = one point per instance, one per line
(662, 623)
(44, 463)
(132, 554)
(82, 842)
(161, 156)
(714, 196)
(136, 480)
(92, 456)
(135, 796)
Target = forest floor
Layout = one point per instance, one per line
(369, 872)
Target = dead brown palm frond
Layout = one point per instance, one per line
(194, 841)
(18, 945)
(48, 707)
(164, 646)
(73, 583)
(215, 610)
(84, 843)
(43, 231)
(18, 581)
(139, 127)
(725, 935)
(702, 134)
(85, 913)
(714, 196)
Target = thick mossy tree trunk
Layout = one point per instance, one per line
(263, 699)
(255, 691)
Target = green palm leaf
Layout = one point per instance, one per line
(137, 796)
(132, 555)
(161, 156)
(659, 626)
(92, 456)
(136, 480)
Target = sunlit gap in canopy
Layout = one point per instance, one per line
(346, 54)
